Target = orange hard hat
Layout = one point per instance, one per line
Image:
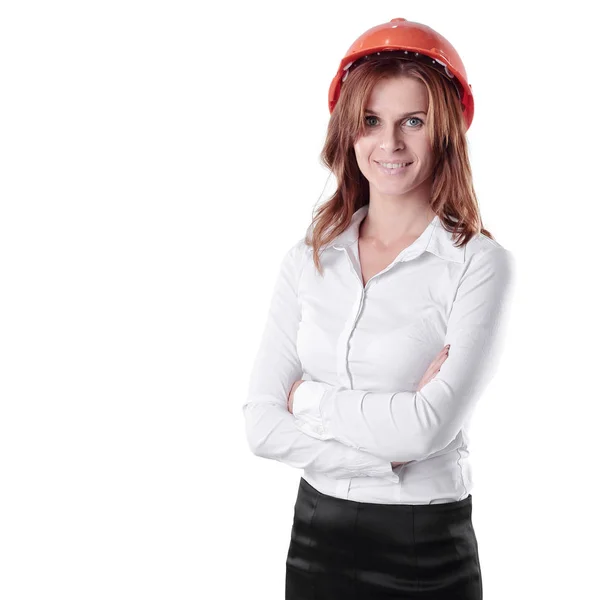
(407, 40)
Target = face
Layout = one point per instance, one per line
(394, 136)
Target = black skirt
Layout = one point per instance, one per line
(342, 549)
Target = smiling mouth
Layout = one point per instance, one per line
(394, 164)
(393, 170)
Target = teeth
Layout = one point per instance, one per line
(393, 165)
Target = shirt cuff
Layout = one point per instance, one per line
(307, 405)
(387, 473)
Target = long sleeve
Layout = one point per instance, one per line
(272, 431)
(407, 425)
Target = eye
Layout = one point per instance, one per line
(415, 119)
(369, 117)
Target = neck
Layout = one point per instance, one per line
(388, 222)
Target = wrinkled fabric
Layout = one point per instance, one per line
(347, 550)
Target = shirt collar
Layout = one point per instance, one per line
(434, 239)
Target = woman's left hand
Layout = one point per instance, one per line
(290, 401)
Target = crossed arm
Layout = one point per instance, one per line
(272, 432)
(406, 425)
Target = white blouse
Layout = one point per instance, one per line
(362, 350)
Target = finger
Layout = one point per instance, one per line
(442, 356)
(434, 367)
(437, 363)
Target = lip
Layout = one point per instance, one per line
(393, 172)
(395, 161)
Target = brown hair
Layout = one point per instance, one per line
(453, 198)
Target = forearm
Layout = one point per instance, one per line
(273, 433)
(393, 426)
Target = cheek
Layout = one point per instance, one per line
(362, 152)
(359, 156)
(425, 148)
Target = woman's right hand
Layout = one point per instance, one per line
(430, 373)
(434, 367)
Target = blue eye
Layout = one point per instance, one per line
(415, 119)
(409, 119)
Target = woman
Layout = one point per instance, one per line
(385, 327)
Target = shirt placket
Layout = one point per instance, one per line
(343, 344)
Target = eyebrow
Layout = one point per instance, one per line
(414, 112)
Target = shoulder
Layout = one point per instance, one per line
(488, 256)
(298, 249)
(483, 248)
(296, 255)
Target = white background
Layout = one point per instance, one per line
(157, 160)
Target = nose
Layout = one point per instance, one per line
(391, 139)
